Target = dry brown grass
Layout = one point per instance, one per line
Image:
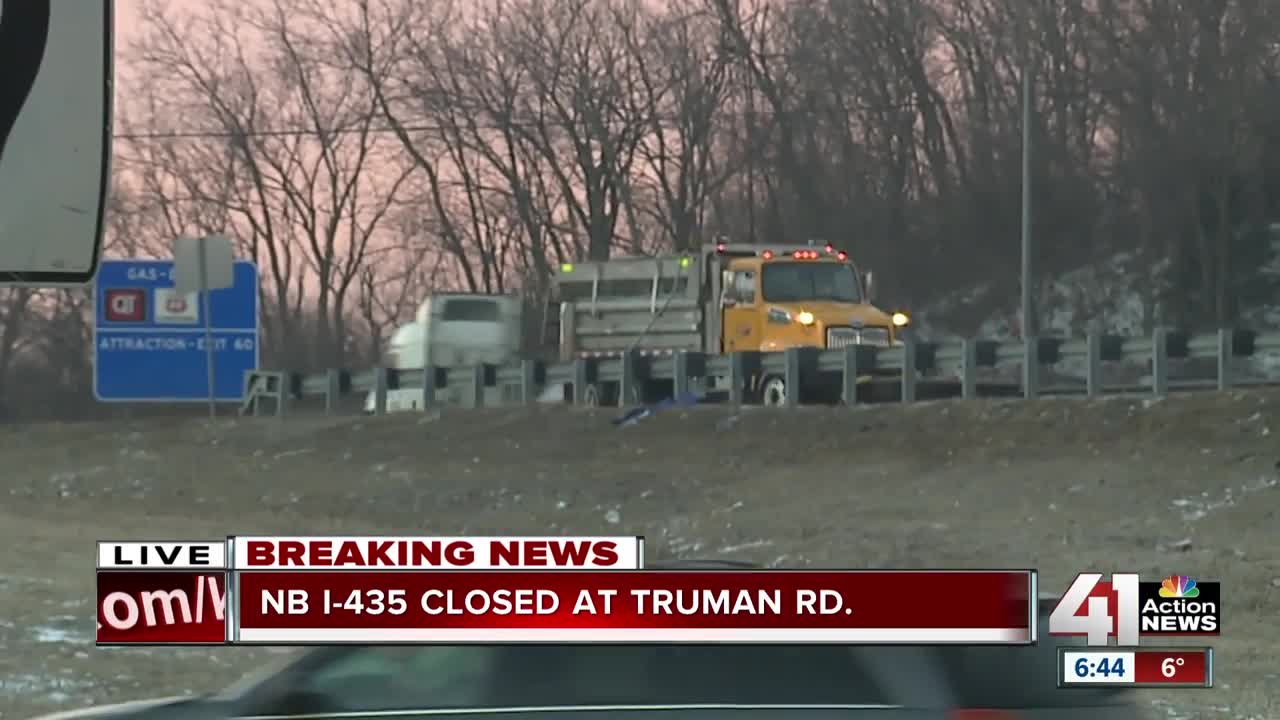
(1062, 485)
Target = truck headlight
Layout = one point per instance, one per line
(900, 319)
(805, 318)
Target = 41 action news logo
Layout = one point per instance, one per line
(1127, 608)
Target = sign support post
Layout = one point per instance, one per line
(205, 264)
(208, 325)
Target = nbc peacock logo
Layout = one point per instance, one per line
(1179, 605)
(1179, 586)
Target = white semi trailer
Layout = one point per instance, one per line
(453, 330)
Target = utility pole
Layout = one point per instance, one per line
(1029, 321)
(751, 165)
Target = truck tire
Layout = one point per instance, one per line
(635, 397)
(600, 395)
(773, 391)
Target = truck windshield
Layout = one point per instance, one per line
(470, 310)
(800, 281)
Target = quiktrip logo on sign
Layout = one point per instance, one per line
(175, 307)
(125, 305)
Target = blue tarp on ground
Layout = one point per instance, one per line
(635, 415)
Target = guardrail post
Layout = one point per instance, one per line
(680, 375)
(291, 389)
(737, 378)
(1030, 368)
(1226, 352)
(1159, 362)
(248, 404)
(849, 378)
(581, 379)
(332, 389)
(288, 381)
(968, 369)
(1093, 364)
(629, 384)
(791, 375)
(476, 399)
(908, 370)
(428, 387)
(380, 391)
(284, 385)
(528, 381)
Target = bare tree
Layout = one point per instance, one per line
(393, 283)
(1185, 94)
(429, 75)
(312, 180)
(580, 115)
(683, 83)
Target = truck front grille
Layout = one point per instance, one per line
(877, 336)
(842, 337)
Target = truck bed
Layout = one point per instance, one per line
(613, 326)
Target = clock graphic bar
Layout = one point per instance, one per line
(1149, 667)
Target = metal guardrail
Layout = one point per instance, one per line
(933, 364)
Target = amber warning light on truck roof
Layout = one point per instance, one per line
(841, 255)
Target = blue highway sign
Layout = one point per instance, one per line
(149, 340)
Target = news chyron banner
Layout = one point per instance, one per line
(452, 590)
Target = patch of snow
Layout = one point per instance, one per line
(1116, 295)
(750, 545)
(56, 690)
(58, 636)
(1197, 508)
(62, 629)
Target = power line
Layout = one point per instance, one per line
(373, 130)
(666, 123)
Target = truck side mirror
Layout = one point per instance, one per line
(869, 285)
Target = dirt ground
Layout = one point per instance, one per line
(1185, 485)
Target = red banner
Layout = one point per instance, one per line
(151, 608)
(282, 607)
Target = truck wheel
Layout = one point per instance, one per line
(600, 395)
(634, 397)
(773, 392)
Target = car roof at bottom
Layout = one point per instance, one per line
(702, 564)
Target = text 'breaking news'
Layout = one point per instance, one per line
(297, 591)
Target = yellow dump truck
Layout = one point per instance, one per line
(725, 298)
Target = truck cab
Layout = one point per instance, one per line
(798, 297)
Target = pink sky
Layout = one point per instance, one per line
(126, 20)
